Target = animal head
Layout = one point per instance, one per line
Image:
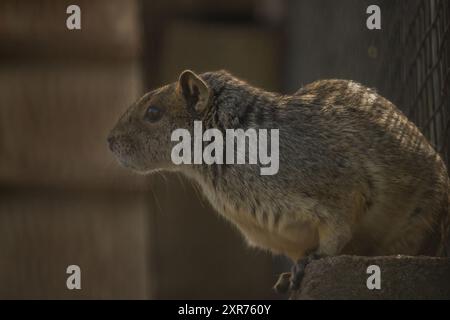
(141, 138)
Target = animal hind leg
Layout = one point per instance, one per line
(332, 239)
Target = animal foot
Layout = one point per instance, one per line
(298, 271)
(291, 281)
(283, 283)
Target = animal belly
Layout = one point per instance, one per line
(294, 241)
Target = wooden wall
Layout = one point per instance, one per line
(63, 198)
(200, 255)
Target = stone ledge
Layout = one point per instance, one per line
(402, 277)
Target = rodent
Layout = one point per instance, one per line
(355, 175)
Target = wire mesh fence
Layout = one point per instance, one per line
(415, 65)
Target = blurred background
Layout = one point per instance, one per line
(63, 198)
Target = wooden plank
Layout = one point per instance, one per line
(54, 121)
(41, 233)
(401, 278)
(248, 52)
(37, 29)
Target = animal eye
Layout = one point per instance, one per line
(153, 114)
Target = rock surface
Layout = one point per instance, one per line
(402, 277)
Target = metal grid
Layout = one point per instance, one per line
(415, 72)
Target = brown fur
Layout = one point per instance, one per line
(355, 175)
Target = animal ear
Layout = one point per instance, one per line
(194, 91)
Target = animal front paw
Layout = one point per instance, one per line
(298, 271)
(291, 281)
(283, 283)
